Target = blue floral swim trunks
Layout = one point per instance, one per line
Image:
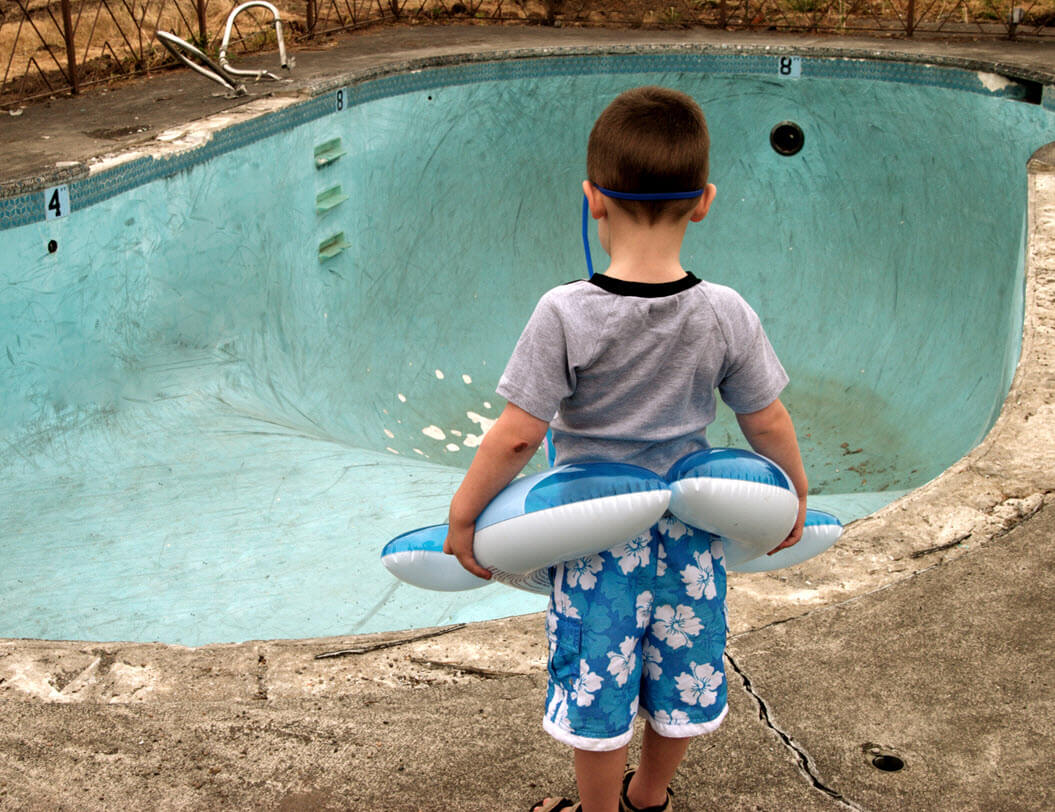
(639, 628)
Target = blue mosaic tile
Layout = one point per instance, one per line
(29, 208)
(22, 210)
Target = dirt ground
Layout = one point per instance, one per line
(113, 40)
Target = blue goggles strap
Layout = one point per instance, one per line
(650, 195)
(586, 234)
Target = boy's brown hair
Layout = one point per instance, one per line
(650, 139)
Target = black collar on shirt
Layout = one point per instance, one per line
(644, 290)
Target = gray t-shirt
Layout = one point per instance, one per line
(626, 371)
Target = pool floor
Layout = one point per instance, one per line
(253, 527)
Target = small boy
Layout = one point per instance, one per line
(628, 363)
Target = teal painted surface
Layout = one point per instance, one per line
(208, 433)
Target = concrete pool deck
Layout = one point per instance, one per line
(925, 634)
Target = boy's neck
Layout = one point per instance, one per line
(645, 253)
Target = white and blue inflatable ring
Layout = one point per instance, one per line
(565, 513)
(821, 531)
(573, 511)
(739, 495)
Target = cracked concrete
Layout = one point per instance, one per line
(805, 763)
(948, 669)
(965, 700)
(924, 635)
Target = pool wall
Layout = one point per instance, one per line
(171, 208)
(286, 338)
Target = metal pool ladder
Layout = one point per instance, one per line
(223, 72)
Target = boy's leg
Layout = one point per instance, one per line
(683, 690)
(660, 757)
(599, 776)
(598, 613)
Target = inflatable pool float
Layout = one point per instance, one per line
(573, 511)
(561, 514)
(821, 531)
(743, 497)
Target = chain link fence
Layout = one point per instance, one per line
(60, 46)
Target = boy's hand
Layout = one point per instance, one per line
(772, 434)
(796, 532)
(459, 543)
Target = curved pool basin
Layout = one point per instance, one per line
(243, 368)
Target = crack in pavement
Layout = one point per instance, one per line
(803, 761)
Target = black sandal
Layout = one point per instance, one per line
(626, 806)
(556, 805)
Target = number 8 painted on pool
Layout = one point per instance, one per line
(340, 100)
(790, 66)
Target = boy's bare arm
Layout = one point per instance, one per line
(772, 434)
(505, 450)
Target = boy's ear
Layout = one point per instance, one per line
(598, 209)
(703, 205)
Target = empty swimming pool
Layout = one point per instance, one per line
(230, 375)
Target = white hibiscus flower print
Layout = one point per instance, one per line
(700, 686)
(562, 605)
(558, 699)
(699, 579)
(621, 663)
(661, 560)
(643, 608)
(583, 572)
(672, 528)
(651, 658)
(674, 626)
(675, 717)
(585, 686)
(717, 548)
(635, 553)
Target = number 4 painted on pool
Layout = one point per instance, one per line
(790, 66)
(56, 202)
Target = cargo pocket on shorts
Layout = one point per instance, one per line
(565, 651)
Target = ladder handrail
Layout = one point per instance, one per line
(223, 72)
(257, 74)
(209, 69)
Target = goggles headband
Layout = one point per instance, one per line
(650, 195)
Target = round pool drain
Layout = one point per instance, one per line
(786, 137)
(887, 763)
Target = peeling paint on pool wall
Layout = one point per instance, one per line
(214, 431)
